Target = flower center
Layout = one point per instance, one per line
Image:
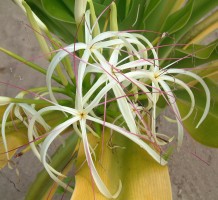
(82, 115)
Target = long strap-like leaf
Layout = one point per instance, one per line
(142, 178)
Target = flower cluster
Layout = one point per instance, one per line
(125, 67)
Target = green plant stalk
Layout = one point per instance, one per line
(45, 89)
(67, 64)
(64, 80)
(60, 159)
(79, 34)
(96, 30)
(28, 63)
(37, 31)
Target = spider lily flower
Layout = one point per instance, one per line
(163, 76)
(115, 74)
(92, 49)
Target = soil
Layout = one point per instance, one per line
(193, 170)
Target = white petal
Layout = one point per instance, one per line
(185, 86)
(114, 56)
(57, 58)
(3, 126)
(98, 181)
(88, 33)
(125, 108)
(156, 60)
(80, 77)
(175, 110)
(133, 137)
(99, 96)
(103, 36)
(136, 63)
(51, 137)
(206, 89)
(36, 116)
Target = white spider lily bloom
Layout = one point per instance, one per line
(82, 117)
(115, 76)
(164, 75)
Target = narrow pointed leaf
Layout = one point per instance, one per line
(58, 10)
(200, 51)
(178, 19)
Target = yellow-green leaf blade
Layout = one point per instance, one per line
(15, 139)
(142, 177)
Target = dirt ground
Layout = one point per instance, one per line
(191, 178)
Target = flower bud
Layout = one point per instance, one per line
(4, 100)
(79, 10)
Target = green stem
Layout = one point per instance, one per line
(38, 33)
(64, 80)
(45, 89)
(96, 30)
(67, 64)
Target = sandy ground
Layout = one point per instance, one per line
(192, 179)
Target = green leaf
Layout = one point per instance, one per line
(63, 30)
(193, 62)
(133, 19)
(177, 20)
(58, 10)
(200, 9)
(207, 133)
(69, 5)
(201, 29)
(151, 5)
(38, 32)
(200, 51)
(141, 177)
(158, 17)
